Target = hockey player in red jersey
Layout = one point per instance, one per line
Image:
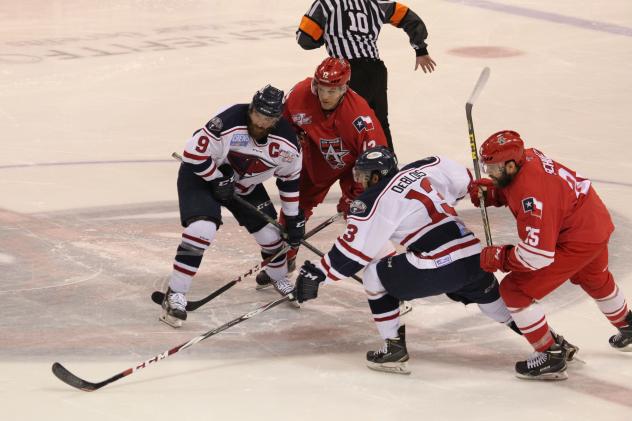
(564, 229)
(334, 125)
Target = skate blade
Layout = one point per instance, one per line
(561, 375)
(575, 361)
(405, 307)
(394, 368)
(294, 304)
(627, 348)
(261, 287)
(170, 320)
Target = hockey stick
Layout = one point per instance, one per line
(405, 306)
(269, 219)
(480, 84)
(158, 296)
(272, 221)
(70, 379)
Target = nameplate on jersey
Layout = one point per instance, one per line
(363, 122)
(406, 180)
(533, 206)
(239, 139)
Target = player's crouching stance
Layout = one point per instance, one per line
(414, 208)
(235, 153)
(564, 229)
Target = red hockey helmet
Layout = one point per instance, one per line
(503, 146)
(333, 72)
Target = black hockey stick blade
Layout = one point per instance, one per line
(158, 296)
(70, 379)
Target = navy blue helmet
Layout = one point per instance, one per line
(379, 160)
(268, 101)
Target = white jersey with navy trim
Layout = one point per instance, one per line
(225, 139)
(413, 208)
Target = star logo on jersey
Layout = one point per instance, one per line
(363, 122)
(247, 165)
(333, 153)
(533, 206)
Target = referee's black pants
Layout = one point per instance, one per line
(369, 78)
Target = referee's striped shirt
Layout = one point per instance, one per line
(349, 28)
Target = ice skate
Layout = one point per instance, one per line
(392, 357)
(174, 309)
(263, 280)
(622, 341)
(284, 287)
(547, 365)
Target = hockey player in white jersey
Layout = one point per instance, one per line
(234, 153)
(412, 207)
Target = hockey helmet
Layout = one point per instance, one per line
(379, 160)
(502, 146)
(268, 101)
(333, 72)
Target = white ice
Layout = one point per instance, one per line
(94, 97)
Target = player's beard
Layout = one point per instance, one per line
(259, 134)
(504, 179)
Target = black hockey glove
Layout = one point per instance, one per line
(223, 187)
(295, 229)
(309, 278)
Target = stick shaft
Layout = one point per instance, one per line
(67, 377)
(480, 84)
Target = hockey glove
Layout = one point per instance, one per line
(343, 205)
(309, 278)
(494, 258)
(223, 187)
(295, 229)
(490, 193)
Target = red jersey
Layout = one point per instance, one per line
(334, 140)
(553, 205)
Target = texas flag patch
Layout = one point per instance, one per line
(363, 122)
(533, 206)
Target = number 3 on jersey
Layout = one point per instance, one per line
(350, 234)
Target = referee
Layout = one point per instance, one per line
(349, 29)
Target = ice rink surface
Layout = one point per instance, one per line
(94, 97)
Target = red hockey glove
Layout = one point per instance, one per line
(490, 193)
(494, 258)
(343, 205)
